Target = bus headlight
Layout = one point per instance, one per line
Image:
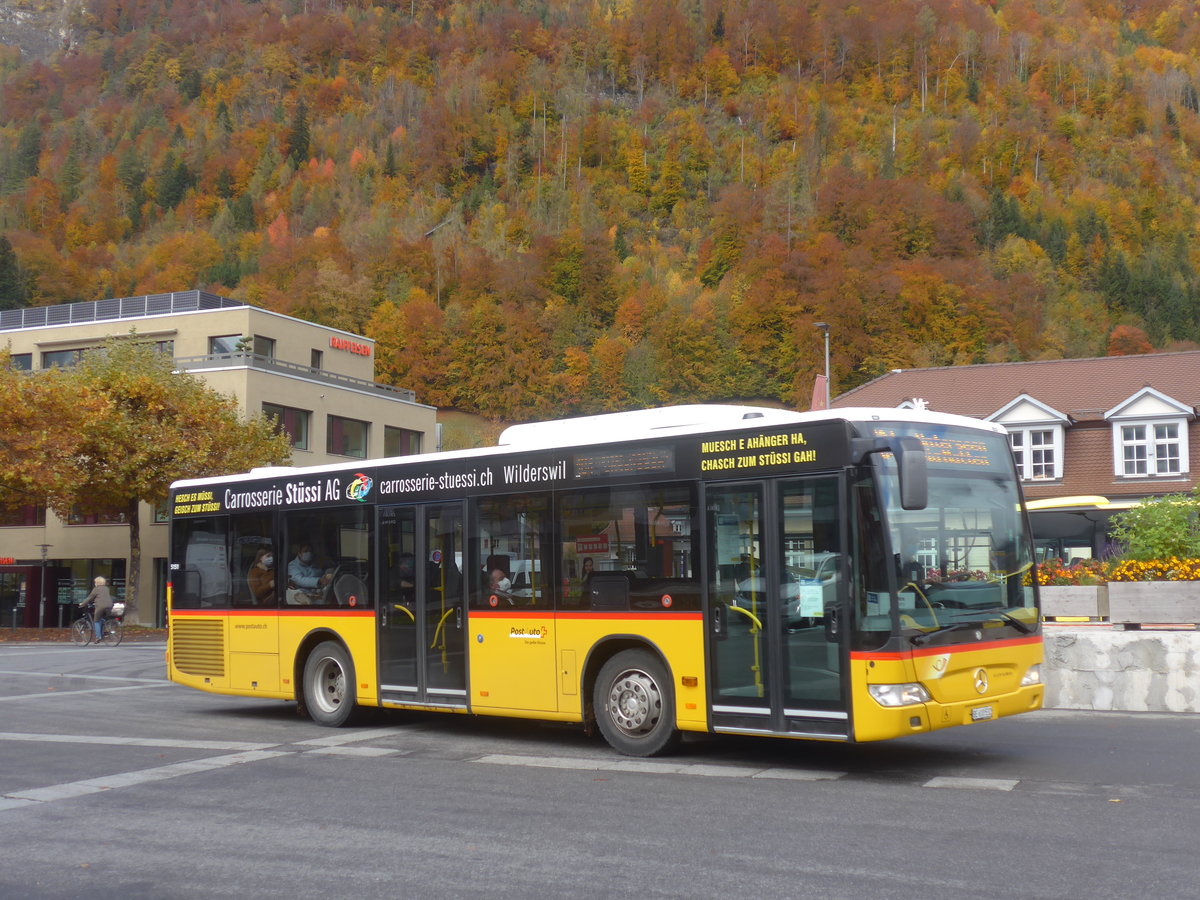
(899, 694)
(1032, 676)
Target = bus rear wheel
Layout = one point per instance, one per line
(329, 685)
(634, 704)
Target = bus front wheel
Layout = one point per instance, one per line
(635, 704)
(329, 684)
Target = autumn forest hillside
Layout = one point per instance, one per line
(546, 207)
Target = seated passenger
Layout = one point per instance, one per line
(500, 581)
(261, 576)
(305, 580)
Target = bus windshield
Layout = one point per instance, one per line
(964, 561)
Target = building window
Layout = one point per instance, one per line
(226, 345)
(22, 362)
(1151, 448)
(166, 348)
(264, 347)
(316, 360)
(63, 359)
(162, 511)
(292, 422)
(100, 517)
(24, 517)
(1037, 452)
(400, 441)
(347, 437)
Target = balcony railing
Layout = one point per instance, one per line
(113, 309)
(270, 364)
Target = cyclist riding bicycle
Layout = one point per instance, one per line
(103, 601)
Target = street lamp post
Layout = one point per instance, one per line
(824, 326)
(45, 548)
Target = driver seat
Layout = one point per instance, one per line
(347, 587)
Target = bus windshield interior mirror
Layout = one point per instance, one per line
(911, 468)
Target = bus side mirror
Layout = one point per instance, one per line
(911, 465)
(913, 471)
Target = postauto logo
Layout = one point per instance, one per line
(359, 487)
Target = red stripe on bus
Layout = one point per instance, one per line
(572, 614)
(479, 613)
(946, 648)
(207, 613)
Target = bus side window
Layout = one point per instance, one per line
(250, 536)
(631, 548)
(201, 551)
(328, 559)
(508, 544)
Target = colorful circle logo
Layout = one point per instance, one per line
(359, 487)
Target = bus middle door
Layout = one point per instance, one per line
(422, 653)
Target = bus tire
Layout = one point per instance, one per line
(634, 703)
(329, 685)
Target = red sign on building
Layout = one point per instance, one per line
(349, 346)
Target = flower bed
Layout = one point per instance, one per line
(1052, 572)
(1170, 569)
(1085, 572)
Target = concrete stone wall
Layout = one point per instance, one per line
(1136, 671)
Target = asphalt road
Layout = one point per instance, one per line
(115, 783)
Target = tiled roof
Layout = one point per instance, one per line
(1083, 389)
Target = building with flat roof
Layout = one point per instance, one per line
(317, 382)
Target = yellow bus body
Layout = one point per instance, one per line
(952, 677)
(261, 654)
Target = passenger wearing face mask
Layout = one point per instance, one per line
(261, 576)
(305, 576)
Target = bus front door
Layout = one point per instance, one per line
(422, 653)
(774, 608)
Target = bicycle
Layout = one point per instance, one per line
(112, 627)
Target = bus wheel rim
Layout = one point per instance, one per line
(634, 703)
(330, 684)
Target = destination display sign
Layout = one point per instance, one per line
(947, 447)
(638, 461)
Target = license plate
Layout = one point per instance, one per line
(980, 713)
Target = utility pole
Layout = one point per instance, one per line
(824, 326)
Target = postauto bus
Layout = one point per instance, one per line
(845, 575)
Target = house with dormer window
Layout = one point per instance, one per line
(1089, 436)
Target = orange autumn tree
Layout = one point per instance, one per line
(141, 425)
(40, 433)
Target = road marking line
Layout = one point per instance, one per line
(655, 768)
(800, 774)
(351, 737)
(83, 677)
(109, 690)
(109, 740)
(352, 751)
(73, 789)
(977, 784)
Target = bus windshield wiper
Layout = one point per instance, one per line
(984, 616)
(1012, 620)
(924, 636)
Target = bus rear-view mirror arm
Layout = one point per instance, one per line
(911, 467)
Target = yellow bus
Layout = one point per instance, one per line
(846, 575)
